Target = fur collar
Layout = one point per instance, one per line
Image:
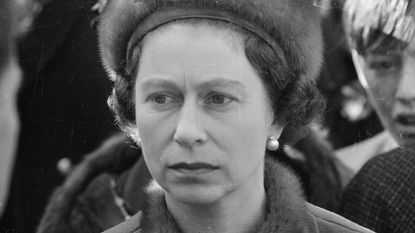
(286, 206)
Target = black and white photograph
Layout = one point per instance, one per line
(207, 116)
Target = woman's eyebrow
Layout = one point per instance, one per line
(158, 82)
(223, 83)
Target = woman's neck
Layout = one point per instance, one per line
(238, 212)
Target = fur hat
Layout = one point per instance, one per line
(291, 27)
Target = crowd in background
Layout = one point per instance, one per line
(352, 162)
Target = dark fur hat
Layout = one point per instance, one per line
(293, 25)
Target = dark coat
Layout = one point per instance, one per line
(287, 210)
(382, 195)
(62, 106)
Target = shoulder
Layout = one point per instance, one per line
(85, 202)
(91, 211)
(382, 173)
(400, 156)
(326, 221)
(382, 189)
(397, 162)
(98, 203)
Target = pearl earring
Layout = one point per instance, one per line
(272, 143)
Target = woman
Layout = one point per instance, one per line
(205, 87)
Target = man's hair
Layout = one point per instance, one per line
(370, 24)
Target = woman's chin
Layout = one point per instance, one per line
(196, 195)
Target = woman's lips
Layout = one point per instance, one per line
(193, 168)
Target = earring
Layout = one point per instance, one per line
(272, 143)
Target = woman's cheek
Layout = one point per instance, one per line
(154, 127)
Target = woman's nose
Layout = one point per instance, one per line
(189, 130)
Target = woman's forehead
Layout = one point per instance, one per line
(195, 55)
(192, 60)
(191, 46)
(197, 28)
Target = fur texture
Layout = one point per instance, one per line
(59, 216)
(293, 24)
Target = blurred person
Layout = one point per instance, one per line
(10, 76)
(380, 33)
(62, 115)
(382, 43)
(382, 64)
(15, 20)
(349, 117)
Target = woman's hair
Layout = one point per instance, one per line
(296, 101)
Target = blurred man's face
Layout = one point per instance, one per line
(390, 77)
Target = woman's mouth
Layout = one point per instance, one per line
(193, 168)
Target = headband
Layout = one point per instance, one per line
(168, 15)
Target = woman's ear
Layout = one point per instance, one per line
(276, 129)
(274, 134)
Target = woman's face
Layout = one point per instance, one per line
(390, 78)
(202, 112)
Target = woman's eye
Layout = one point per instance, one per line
(162, 99)
(218, 99)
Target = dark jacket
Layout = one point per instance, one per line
(382, 195)
(107, 187)
(287, 210)
(62, 106)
